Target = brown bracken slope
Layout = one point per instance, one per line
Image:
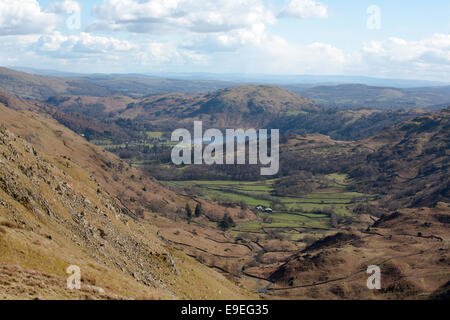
(66, 202)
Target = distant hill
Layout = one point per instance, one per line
(43, 84)
(47, 72)
(247, 106)
(256, 99)
(355, 96)
(96, 107)
(38, 87)
(301, 80)
(244, 106)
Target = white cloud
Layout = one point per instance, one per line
(57, 45)
(397, 49)
(281, 57)
(24, 17)
(15, 48)
(423, 58)
(304, 9)
(105, 52)
(427, 58)
(154, 53)
(219, 35)
(156, 16)
(227, 41)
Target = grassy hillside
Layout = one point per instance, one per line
(65, 202)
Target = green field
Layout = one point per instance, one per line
(261, 192)
(298, 212)
(235, 191)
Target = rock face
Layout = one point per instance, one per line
(32, 185)
(54, 214)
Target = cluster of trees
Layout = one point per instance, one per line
(226, 223)
(197, 212)
(91, 128)
(156, 153)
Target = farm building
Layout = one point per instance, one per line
(264, 209)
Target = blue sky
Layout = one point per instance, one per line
(391, 39)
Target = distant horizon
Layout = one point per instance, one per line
(257, 78)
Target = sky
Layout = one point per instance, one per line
(384, 38)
